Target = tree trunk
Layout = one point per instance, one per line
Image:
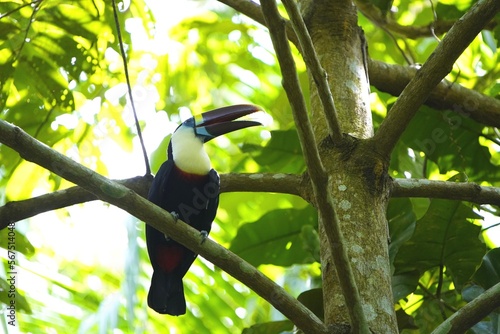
(358, 178)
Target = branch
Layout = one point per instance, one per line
(126, 199)
(318, 73)
(319, 178)
(392, 79)
(471, 313)
(267, 182)
(463, 191)
(432, 72)
(279, 183)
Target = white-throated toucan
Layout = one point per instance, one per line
(188, 187)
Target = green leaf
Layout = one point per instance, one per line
(383, 5)
(313, 300)
(405, 321)
(273, 327)
(451, 140)
(488, 273)
(448, 12)
(402, 222)
(276, 238)
(404, 284)
(443, 237)
(11, 293)
(282, 153)
(10, 236)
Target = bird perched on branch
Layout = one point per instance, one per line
(187, 187)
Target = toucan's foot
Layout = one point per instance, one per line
(167, 238)
(204, 236)
(175, 215)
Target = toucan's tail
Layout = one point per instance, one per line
(166, 294)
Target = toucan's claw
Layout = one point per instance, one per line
(175, 215)
(204, 236)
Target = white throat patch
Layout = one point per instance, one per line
(188, 152)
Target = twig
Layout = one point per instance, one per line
(28, 4)
(129, 88)
(464, 191)
(122, 197)
(471, 313)
(319, 178)
(278, 183)
(318, 73)
(36, 7)
(432, 72)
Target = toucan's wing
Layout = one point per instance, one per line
(159, 186)
(208, 215)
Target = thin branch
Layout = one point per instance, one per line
(122, 197)
(314, 66)
(463, 191)
(36, 6)
(28, 4)
(471, 313)
(318, 176)
(432, 72)
(278, 183)
(129, 87)
(428, 294)
(264, 182)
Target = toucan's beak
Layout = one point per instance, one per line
(220, 121)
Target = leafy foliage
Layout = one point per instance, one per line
(85, 269)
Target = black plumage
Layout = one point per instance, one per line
(187, 187)
(195, 200)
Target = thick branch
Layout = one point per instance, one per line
(472, 313)
(319, 178)
(463, 191)
(432, 72)
(122, 197)
(278, 183)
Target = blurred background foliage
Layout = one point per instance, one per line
(85, 269)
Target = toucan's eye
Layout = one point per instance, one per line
(189, 122)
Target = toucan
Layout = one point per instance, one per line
(187, 187)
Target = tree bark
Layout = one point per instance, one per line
(357, 176)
